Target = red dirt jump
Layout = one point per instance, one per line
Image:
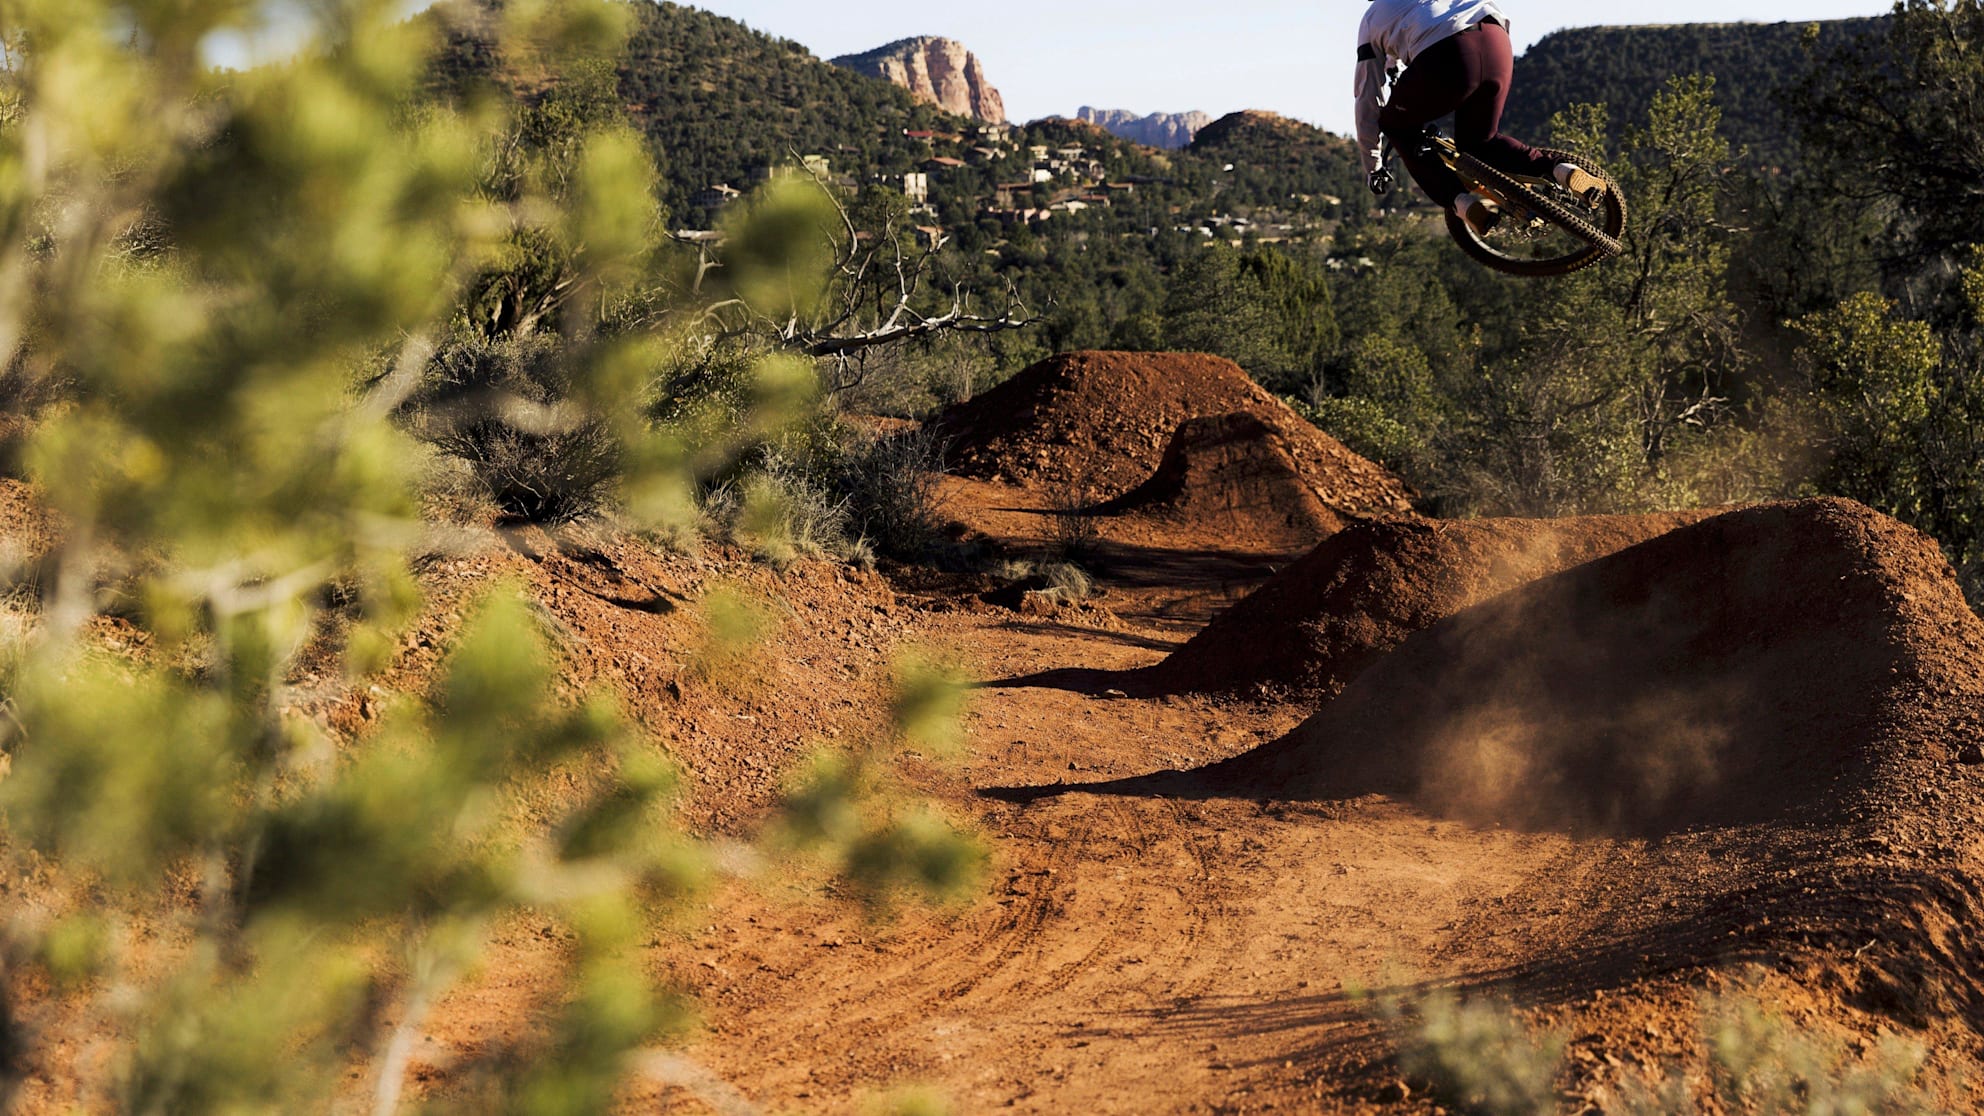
(1788, 661)
(1101, 423)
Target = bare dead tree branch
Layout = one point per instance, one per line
(880, 294)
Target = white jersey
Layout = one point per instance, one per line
(1393, 33)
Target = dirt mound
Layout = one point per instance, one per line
(1100, 422)
(29, 533)
(1791, 661)
(1238, 475)
(1327, 617)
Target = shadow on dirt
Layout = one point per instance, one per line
(1086, 632)
(1188, 785)
(1081, 680)
(1231, 573)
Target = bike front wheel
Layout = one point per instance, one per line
(1545, 229)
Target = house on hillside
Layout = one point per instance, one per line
(916, 186)
(816, 166)
(715, 196)
(1038, 152)
(1024, 215)
(930, 237)
(995, 133)
(942, 163)
(1009, 194)
(985, 155)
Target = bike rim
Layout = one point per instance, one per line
(1525, 236)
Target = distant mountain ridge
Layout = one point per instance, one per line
(1167, 130)
(935, 70)
(1624, 67)
(1267, 151)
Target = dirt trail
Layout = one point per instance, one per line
(1137, 955)
(1187, 941)
(1189, 887)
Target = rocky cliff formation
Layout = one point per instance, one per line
(940, 71)
(1168, 130)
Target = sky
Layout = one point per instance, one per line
(1293, 58)
(1217, 56)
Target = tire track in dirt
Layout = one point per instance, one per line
(1014, 935)
(1063, 976)
(1212, 904)
(1131, 881)
(1073, 904)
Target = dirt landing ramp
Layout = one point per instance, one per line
(1791, 661)
(1343, 606)
(1235, 475)
(1101, 422)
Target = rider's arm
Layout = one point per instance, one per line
(1370, 94)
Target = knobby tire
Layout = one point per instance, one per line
(1601, 243)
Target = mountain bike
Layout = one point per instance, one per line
(1545, 229)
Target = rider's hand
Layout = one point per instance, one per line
(1381, 182)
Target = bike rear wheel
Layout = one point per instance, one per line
(1545, 229)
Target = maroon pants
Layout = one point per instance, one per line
(1468, 75)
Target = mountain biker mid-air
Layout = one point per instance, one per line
(1457, 58)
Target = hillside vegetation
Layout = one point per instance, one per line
(717, 100)
(1272, 155)
(1084, 237)
(1625, 67)
(1665, 379)
(473, 639)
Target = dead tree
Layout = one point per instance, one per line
(882, 291)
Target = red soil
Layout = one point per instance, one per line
(27, 528)
(1237, 477)
(627, 618)
(1344, 605)
(1734, 757)
(1100, 423)
(1752, 667)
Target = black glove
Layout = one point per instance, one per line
(1381, 182)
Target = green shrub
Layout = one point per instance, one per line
(1477, 1055)
(505, 407)
(891, 488)
(325, 228)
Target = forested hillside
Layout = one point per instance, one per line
(1272, 154)
(717, 100)
(1085, 227)
(1646, 382)
(1625, 67)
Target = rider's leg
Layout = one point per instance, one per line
(1488, 61)
(1428, 89)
